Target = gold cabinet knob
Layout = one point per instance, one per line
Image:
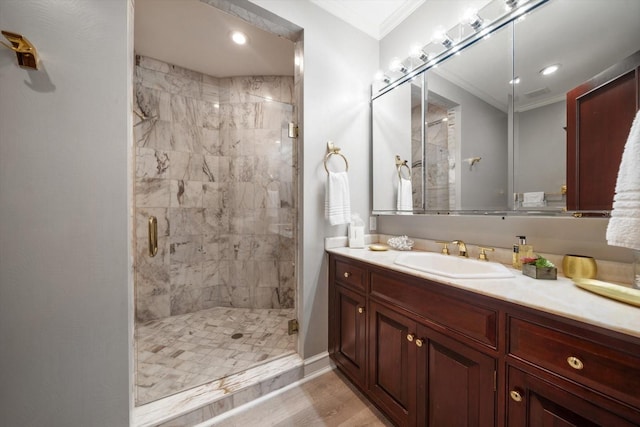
(360, 310)
(575, 363)
(410, 337)
(347, 274)
(515, 396)
(419, 342)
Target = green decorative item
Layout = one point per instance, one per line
(539, 268)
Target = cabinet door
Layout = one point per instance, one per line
(349, 334)
(456, 384)
(533, 402)
(392, 372)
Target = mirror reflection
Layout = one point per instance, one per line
(398, 150)
(503, 145)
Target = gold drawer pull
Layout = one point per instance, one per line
(410, 337)
(515, 395)
(153, 236)
(419, 342)
(360, 310)
(347, 274)
(575, 363)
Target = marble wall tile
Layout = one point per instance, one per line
(217, 220)
(151, 163)
(153, 134)
(186, 138)
(152, 291)
(217, 182)
(242, 89)
(185, 166)
(267, 142)
(152, 192)
(215, 247)
(187, 194)
(211, 142)
(186, 249)
(152, 64)
(185, 298)
(215, 273)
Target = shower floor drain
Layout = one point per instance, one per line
(236, 336)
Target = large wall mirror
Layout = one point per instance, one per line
(494, 136)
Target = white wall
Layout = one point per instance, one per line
(339, 65)
(65, 309)
(541, 140)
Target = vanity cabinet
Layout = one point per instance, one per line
(347, 332)
(416, 373)
(429, 354)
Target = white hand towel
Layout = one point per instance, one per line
(405, 195)
(533, 197)
(624, 225)
(337, 202)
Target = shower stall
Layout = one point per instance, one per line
(216, 169)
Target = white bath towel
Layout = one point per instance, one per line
(337, 202)
(624, 225)
(405, 195)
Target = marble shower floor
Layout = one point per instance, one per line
(180, 352)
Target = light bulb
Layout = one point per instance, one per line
(239, 37)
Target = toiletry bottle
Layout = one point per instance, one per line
(524, 250)
(356, 232)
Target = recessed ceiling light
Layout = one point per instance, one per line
(515, 81)
(550, 69)
(239, 37)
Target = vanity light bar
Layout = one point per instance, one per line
(463, 43)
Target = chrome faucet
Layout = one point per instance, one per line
(462, 248)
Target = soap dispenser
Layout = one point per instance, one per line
(520, 251)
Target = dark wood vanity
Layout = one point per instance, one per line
(430, 354)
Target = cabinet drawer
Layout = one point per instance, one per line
(605, 365)
(477, 323)
(349, 274)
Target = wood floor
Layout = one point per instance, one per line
(327, 400)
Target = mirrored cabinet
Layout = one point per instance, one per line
(480, 113)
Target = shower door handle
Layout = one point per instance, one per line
(153, 236)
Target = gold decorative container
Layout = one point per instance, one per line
(579, 266)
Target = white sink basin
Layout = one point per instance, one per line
(453, 266)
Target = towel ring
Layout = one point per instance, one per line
(332, 149)
(399, 165)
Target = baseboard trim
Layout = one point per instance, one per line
(319, 362)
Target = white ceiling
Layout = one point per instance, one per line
(195, 35)
(374, 17)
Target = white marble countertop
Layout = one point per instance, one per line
(560, 297)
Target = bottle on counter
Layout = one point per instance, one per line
(520, 251)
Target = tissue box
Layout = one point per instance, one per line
(544, 273)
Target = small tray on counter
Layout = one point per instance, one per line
(610, 290)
